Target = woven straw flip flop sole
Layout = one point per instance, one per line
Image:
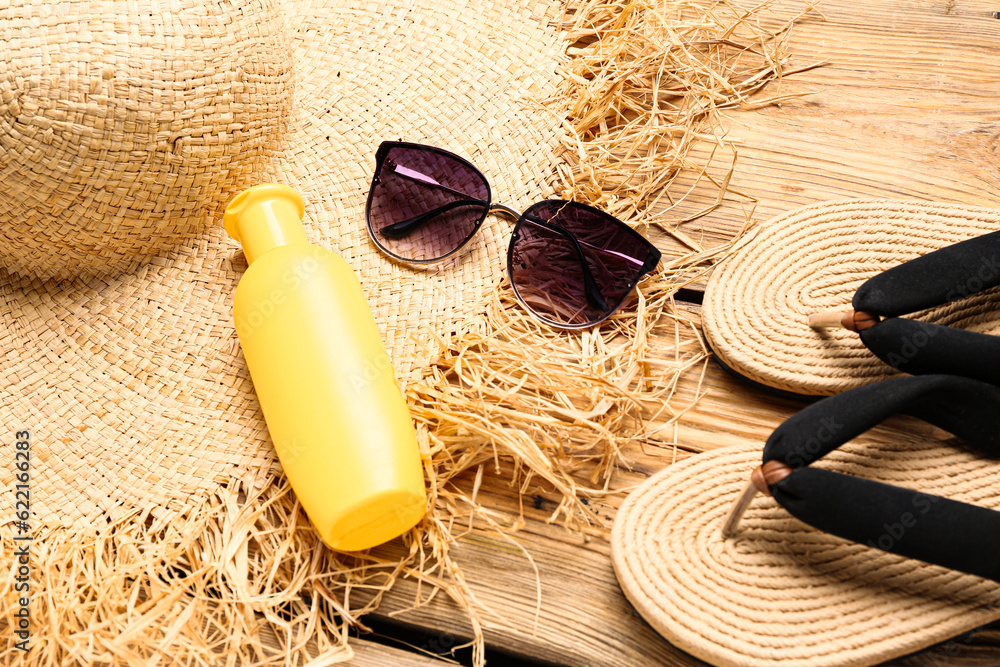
(782, 593)
(810, 260)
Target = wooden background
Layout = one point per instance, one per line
(906, 108)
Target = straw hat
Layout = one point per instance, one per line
(119, 141)
(127, 127)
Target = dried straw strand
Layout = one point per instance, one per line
(647, 81)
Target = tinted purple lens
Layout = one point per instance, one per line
(574, 265)
(425, 204)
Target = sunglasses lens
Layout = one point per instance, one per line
(424, 204)
(577, 269)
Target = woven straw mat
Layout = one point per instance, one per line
(780, 592)
(812, 259)
(132, 383)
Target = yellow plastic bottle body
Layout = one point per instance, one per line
(338, 421)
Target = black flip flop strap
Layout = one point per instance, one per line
(946, 275)
(937, 530)
(922, 348)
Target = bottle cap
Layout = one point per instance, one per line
(264, 217)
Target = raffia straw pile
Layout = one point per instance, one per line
(649, 80)
(646, 82)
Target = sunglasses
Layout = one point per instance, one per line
(571, 265)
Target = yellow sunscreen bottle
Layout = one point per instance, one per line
(340, 425)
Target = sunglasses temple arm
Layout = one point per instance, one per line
(424, 179)
(620, 255)
(594, 296)
(404, 228)
(418, 177)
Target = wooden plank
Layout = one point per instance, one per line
(583, 617)
(370, 654)
(906, 108)
(367, 653)
(578, 585)
(977, 650)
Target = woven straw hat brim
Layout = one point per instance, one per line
(134, 386)
(780, 592)
(125, 125)
(813, 259)
(468, 77)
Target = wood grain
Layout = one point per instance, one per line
(370, 654)
(584, 619)
(906, 108)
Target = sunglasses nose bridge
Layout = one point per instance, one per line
(506, 210)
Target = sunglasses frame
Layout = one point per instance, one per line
(520, 220)
(651, 261)
(380, 156)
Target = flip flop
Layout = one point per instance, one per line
(833, 569)
(766, 308)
